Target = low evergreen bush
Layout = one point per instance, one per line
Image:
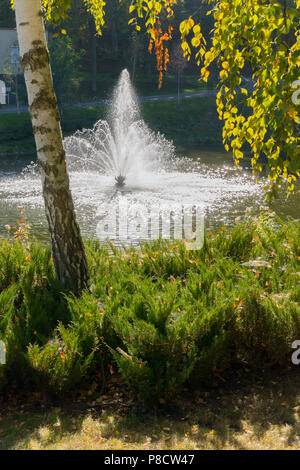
(160, 314)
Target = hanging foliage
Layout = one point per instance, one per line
(263, 36)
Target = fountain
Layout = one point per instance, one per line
(122, 146)
(121, 170)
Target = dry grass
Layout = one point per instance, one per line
(259, 413)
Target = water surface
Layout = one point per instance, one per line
(203, 177)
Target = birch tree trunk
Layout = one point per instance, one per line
(67, 247)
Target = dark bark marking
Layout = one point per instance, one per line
(41, 130)
(36, 58)
(43, 100)
(61, 156)
(47, 148)
(47, 168)
(69, 258)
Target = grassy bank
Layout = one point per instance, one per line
(144, 85)
(161, 317)
(190, 123)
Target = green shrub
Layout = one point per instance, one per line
(265, 327)
(68, 359)
(163, 314)
(158, 351)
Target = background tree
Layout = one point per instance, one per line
(136, 49)
(177, 64)
(7, 17)
(93, 54)
(65, 66)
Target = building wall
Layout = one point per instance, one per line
(2, 92)
(8, 40)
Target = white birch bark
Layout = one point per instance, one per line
(67, 247)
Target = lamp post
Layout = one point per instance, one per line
(15, 65)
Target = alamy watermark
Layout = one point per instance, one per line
(136, 222)
(296, 354)
(2, 353)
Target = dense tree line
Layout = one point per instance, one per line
(75, 43)
(7, 16)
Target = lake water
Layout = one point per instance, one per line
(204, 178)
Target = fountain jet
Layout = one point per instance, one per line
(121, 146)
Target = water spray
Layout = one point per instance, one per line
(122, 146)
